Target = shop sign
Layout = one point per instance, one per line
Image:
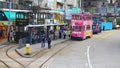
(75, 10)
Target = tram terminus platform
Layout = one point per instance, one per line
(36, 48)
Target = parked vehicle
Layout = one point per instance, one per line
(81, 26)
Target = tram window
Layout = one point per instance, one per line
(41, 16)
(83, 28)
(80, 28)
(19, 29)
(2, 16)
(77, 28)
(73, 17)
(76, 17)
(16, 29)
(88, 27)
(84, 18)
(80, 17)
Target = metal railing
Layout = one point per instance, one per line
(22, 42)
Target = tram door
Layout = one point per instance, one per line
(20, 23)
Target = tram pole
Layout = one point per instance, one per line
(9, 21)
(65, 12)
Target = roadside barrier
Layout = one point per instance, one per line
(27, 49)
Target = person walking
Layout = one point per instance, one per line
(49, 42)
(43, 42)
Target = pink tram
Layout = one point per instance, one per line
(81, 26)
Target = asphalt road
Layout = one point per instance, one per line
(101, 51)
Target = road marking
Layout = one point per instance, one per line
(88, 56)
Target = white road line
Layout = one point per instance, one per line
(88, 56)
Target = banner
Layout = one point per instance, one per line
(68, 13)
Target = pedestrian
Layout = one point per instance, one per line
(60, 33)
(43, 42)
(69, 32)
(11, 36)
(14, 34)
(64, 34)
(49, 42)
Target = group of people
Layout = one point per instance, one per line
(64, 32)
(44, 40)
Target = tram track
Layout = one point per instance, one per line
(8, 61)
(12, 57)
(40, 54)
(34, 58)
(3, 61)
(38, 63)
(54, 55)
(8, 51)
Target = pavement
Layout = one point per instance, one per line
(36, 48)
(3, 41)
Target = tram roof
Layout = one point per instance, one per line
(42, 25)
(56, 12)
(15, 10)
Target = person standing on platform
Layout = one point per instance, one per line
(64, 34)
(43, 42)
(60, 33)
(69, 32)
(11, 36)
(49, 42)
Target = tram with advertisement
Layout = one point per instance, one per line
(81, 26)
(17, 21)
(7, 18)
(96, 23)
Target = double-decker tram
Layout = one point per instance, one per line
(96, 23)
(20, 22)
(17, 20)
(81, 25)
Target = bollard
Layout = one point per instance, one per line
(27, 49)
